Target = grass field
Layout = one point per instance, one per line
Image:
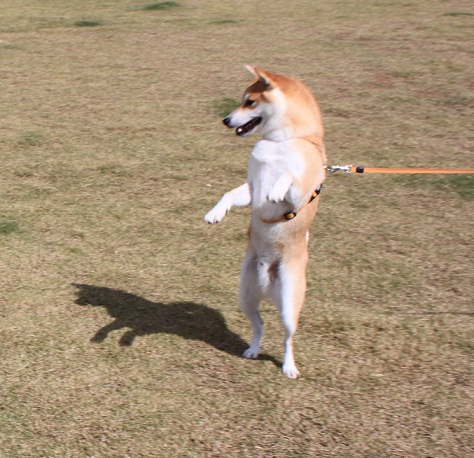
(119, 317)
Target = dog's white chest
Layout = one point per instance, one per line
(270, 161)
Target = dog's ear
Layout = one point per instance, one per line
(261, 75)
(251, 70)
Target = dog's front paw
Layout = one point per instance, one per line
(216, 215)
(280, 189)
(290, 371)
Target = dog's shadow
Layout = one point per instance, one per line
(140, 317)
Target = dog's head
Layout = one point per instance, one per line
(276, 107)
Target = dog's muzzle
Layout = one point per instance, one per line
(244, 128)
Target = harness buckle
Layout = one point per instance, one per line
(290, 215)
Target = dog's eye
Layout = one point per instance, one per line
(249, 103)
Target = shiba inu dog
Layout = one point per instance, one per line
(285, 173)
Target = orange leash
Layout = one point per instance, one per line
(356, 169)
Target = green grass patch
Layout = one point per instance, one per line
(88, 23)
(224, 22)
(458, 13)
(31, 138)
(161, 6)
(463, 185)
(8, 227)
(452, 101)
(223, 107)
(6, 45)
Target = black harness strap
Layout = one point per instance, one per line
(292, 215)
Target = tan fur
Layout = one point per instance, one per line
(285, 168)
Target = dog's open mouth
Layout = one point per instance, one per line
(248, 126)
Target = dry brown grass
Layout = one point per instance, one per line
(119, 320)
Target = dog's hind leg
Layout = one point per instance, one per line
(288, 293)
(250, 296)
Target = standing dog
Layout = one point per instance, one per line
(285, 174)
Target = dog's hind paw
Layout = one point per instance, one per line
(250, 353)
(290, 372)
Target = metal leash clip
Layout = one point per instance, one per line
(336, 168)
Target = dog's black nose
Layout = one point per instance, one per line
(226, 121)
